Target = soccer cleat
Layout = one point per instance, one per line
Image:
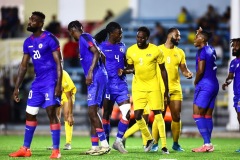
(50, 148)
(22, 152)
(204, 148)
(177, 147)
(117, 145)
(55, 154)
(91, 151)
(154, 148)
(238, 151)
(165, 150)
(101, 151)
(67, 146)
(149, 145)
(212, 149)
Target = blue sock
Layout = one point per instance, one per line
(209, 123)
(94, 140)
(101, 134)
(106, 127)
(29, 131)
(55, 131)
(122, 127)
(202, 127)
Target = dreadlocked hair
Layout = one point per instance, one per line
(145, 30)
(39, 14)
(75, 24)
(102, 35)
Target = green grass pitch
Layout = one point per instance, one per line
(224, 149)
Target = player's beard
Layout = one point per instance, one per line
(174, 41)
(32, 29)
(236, 53)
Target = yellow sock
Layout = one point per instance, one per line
(131, 130)
(176, 130)
(68, 132)
(144, 128)
(155, 132)
(161, 128)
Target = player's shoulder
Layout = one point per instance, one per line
(121, 44)
(133, 47)
(178, 49)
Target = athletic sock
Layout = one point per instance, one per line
(176, 130)
(29, 131)
(102, 137)
(55, 131)
(106, 127)
(161, 128)
(68, 132)
(122, 127)
(202, 127)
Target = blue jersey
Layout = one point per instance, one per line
(115, 59)
(209, 80)
(86, 56)
(235, 69)
(40, 49)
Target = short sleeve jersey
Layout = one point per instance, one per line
(209, 79)
(41, 49)
(173, 58)
(115, 59)
(86, 56)
(67, 83)
(235, 69)
(145, 63)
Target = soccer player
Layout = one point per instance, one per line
(117, 88)
(44, 50)
(206, 88)
(67, 102)
(96, 80)
(145, 58)
(234, 75)
(174, 60)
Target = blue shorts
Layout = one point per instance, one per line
(236, 102)
(96, 91)
(43, 96)
(205, 98)
(120, 97)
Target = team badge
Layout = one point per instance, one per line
(40, 45)
(121, 50)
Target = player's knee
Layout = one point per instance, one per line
(125, 111)
(32, 110)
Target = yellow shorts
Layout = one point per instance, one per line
(176, 95)
(142, 99)
(146, 110)
(64, 98)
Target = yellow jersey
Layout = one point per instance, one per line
(173, 58)
(145, 63)
(67, 85)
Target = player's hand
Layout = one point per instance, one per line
(70, 120)
(15, 95)
(58, 90)
(188, 75)
(89, 80)
(224, 86)
(166, 98)
(120, 72)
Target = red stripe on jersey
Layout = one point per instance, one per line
(31, 123)
(55, 126)
(90, 44)
(208, 116)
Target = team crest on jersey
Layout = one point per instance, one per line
(149, 55)
(89, 97)
(40, 45)
(121, 50)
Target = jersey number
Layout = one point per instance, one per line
(117, 57)
(36, 54)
